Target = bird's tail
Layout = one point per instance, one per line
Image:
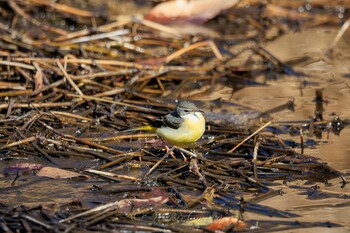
(148, 128)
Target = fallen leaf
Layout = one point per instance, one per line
(38, 79)
(184, 11)
(57, 173)
(22, 167)
(130, 205)
(155, 192)
(221, 223)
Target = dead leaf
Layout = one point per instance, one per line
(184, 11)
(130, 205)
(57, 173)
(221, 223)
(38, 78)
(22, 167)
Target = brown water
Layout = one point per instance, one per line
(328, 76)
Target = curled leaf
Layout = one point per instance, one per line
(184, 11)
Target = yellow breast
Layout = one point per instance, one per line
(190, 130)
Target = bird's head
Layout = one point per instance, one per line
(185, 108)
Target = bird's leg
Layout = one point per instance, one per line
(190, 153)
(183, 156)
(170, 151)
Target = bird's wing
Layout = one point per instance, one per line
(172, 120)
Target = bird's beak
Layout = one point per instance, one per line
(198, 110)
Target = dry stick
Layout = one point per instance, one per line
(89, 76)
(255, 159)
(67, 76)
(122, 137)
(104, 148)
(126, 157)
(65, 8)
(71, 115)
(159, 161)
(249, 137)
(340, 33)
(17, 64)
(109, 174)
(26, 140)
(36, 221)
(215, 50)
(115, 102)
(36, 147)
(112, 92)
(249, 179)
(191, 47)
(91, 211)
(113, 151)
(113, 63)
(200, 198)
(38, 105)
(75, 148)
(84, 39)
(15, 93)
(159, 27)
(91, 220)
(36, 22)
(102, 28)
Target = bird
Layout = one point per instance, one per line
(182, 127)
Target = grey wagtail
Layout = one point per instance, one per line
(182, 127)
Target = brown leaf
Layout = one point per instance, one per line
(221, 223)
(130, 205)
(38, 78)
(57, 173)
(184, 11)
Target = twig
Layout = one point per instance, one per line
(67, 76)
(20, 142)
(249, 137)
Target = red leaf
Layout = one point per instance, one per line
(188, 11)
(221, 223)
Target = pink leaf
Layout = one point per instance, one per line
(57, 173)
(188, 11)
(22, 167)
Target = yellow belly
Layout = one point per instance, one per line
(190, 130)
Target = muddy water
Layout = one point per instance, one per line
(332, 76)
